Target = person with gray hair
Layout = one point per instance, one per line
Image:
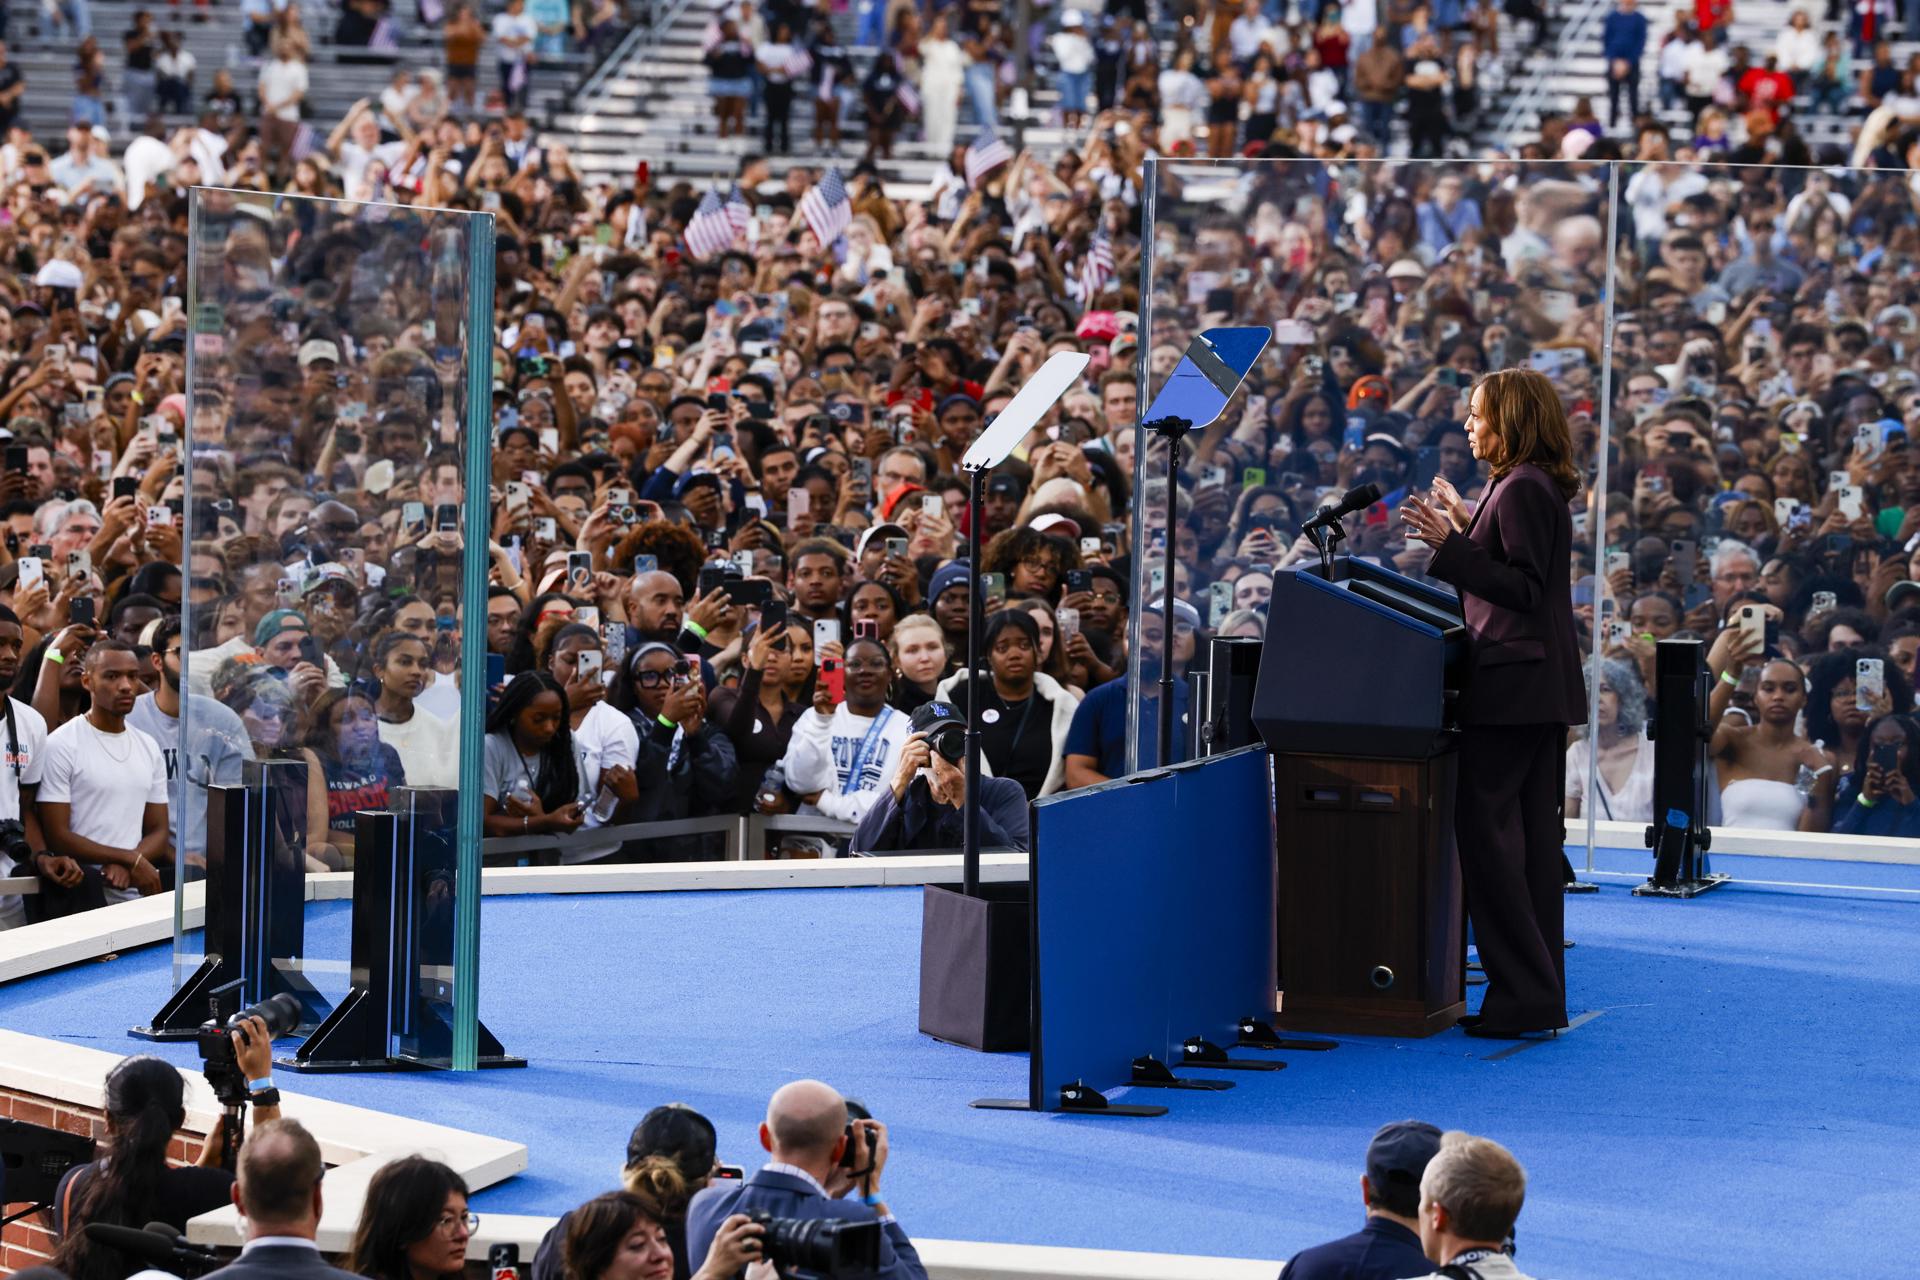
(1623, 785)
(1470, 1197)
(1736, 568)
(68, 526)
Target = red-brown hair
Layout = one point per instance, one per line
(1525, 422)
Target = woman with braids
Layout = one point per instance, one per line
(133, 1184)
(415, 1223)
(531, 778)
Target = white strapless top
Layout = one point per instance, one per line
(1761, 804)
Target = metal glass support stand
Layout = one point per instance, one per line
(1173, 430)
(976, 958)
(1680, 732)
(398, 1015)
(255, 893)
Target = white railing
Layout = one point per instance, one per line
(1579, 29)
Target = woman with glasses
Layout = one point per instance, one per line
(1034, 563)
(843, 754)
(686, 765)
(1024, 713)
(603, 739)
(414, 1224)
(267, 707)
(528, 770)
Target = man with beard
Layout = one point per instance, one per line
(219, 744)
(658, 611)
(26, 733)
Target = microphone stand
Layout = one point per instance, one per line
(1326, 537)
(1173, 430)
(976, 627)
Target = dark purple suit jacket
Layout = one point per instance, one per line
(1512, 569)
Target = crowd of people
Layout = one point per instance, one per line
(1435, 1203)
(725, 528)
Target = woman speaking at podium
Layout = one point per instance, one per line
(1509, 560)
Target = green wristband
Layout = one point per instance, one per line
(696, 628)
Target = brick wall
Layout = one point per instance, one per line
(28, 1242)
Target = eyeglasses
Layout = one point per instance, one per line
(659, 679)
(451, 1223)
(1104, 597)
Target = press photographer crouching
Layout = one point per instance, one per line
(133, 1184)
(818, 1196)
(921, 810)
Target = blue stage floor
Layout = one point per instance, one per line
(1744, 1098)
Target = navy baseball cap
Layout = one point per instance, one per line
(1398, 1154)
(945, 728)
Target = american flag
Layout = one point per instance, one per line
(826, 208)
(710, 230)
(985, 154)
(304, 141)
(909, 97)
(799, 63)
(739, 212)
(382, 40)
(1096, 268)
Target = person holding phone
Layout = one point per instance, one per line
(843, 753)
(528, 772)
(1025, 714)
(604, 739)
(1510, 560)
(686, 766)
(757, 715)
(1881, 797)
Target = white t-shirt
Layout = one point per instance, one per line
(441, 698)
(822, 752)
(428, 747)
(108, 780)
(281, 79)
(220, 748)
(605, 738)
(30, 730)
(508, 26)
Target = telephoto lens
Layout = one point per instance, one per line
(281, 1013)
(820, 1246)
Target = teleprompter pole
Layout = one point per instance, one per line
(976, 626)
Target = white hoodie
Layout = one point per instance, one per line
(821, 752)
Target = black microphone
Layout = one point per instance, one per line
(143, 1243)
(1356, 499)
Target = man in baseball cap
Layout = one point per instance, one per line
(1388, 1246)
(921, 810)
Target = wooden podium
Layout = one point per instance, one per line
(1357, 677)
(1372, 937)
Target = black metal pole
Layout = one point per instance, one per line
(1173, 429)
(976, 627)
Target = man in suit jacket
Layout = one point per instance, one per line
(278, 1191)
(1523, 687)
(806, 1133)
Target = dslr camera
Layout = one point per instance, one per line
(13, 844)
(281, 1013)
(820, 1246)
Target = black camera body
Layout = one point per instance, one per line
(13, 844)
(281, 1013)
(820, 1246)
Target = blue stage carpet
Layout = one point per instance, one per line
(1744, 1098)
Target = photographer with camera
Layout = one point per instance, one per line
(921, 810)
(133, 1184)
(821, 1186)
